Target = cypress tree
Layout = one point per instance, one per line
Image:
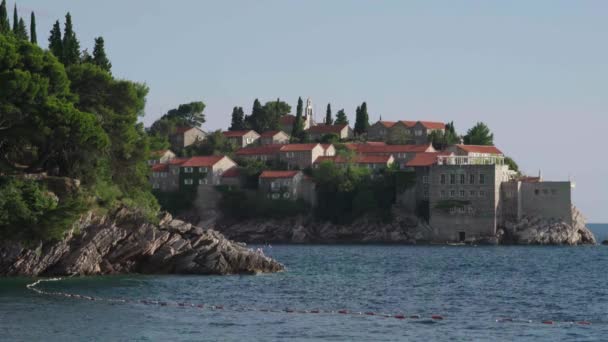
(361, 119)
(55, 42)
(237, 119)
(298, 126)
(71, 46)
(15, 19)
(99, 55)
(5, 25)
(21, 30)
(357, 127)
(33, 36)
(328, 119)
(257, 114)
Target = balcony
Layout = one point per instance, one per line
(467, 160)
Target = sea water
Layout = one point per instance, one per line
(482, 293)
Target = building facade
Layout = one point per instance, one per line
(300, 156)
(341, 131)
(243, 138)
(160, 157)
(274, 138)
(186, 136)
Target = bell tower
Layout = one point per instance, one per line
(308, 114)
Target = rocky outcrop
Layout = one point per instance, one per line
(547, 231)
(125, 242)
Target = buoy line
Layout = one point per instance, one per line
(399, 316)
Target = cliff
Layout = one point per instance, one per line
(125, 242)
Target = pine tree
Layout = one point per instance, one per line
(15, 19)
(21, 32)
(55, 42)
(328, 119)
(237, 119)
(71, 46)
(341, 118)
(99, 55)
(33, 36)
(5, 25)
(297, 131)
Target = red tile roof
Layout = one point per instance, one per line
(388, 124)
(410, 124)
(364, 148)
(298, 147)
(177, 161)
(232, 172)
(279, 174)
(270, 134)
(184, 129)
(256, 150)
(480, 149)
(235, 134)
(287, 119)
(433, 124)
(160, 167)
(326, 129)
(202, 161)
(360, 159)
(426, 158)
(527, 179)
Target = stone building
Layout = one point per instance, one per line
(374, 163)
(341, 131)
(261, 153)
(165, 176)
(186, 136)
(474, 150)
(300, 156)
(205, 170)
(280, 184)
(286, 121)
(404, 132)
(242, 138)
(401, 153)
(274, 138)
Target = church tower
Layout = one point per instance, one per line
(308, 114)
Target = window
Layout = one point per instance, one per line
(536, 192)
(462, 179)
(461, 210)
(202, 181)
(188, 170)
(426, 193)
(482, 178)
(188, 181)
(418, 132)
(452, 210)
(425, 179)
(482, 193)
(155, 174)
(275, 185)
(443, 179)
(462, 193)
(155, 186)
(202, 169)
(276, 196)
(452, 179)
(470, 209)
(286, 195)
(472, 193)
(442, 194)
(175, 171)
(289, 154)
(452, 193)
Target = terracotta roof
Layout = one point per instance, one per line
(232, 172)
(480, 149)
(202, 161)
(255, 150)
(408, 123)
(182, 129)
(527, 179)
(433, 124)
(270, 134)
(360, 159)
(364, 148)
(327, 128)
(177, 161)
(287, 119)
(426, 158)
(388, 124)
(159, 153)
(234, 134)
(160, 167)
(376, 143)
(279, 174)
(298, 147)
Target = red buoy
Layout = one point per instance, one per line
(547, 322)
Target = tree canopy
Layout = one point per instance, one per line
(237, 121)
(441, 140)
(361, 120)
(328, 118)
(479, 134)
(341, 118)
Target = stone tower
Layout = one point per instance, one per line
(308, 114)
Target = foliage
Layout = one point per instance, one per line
(215, 144)
(512, 164)
(5, 26)
(187, 114)
(242, 205)
(399, 137)
(362, 120)
(441, 140)
(250, 170)
(99, 55)
(21, 32)
(238, 119)
(177, 201)
(55, 41)
(330, 138)
(328, 118)
(341, 118)
(70, 44)
(33, 36)
(479, 134)
(297, 130)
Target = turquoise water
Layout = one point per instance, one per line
(471, 287)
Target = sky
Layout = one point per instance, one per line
(535, 71)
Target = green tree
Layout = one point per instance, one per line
(5, 26)
(341, 118)
(188, 114)
(272, 113)
(15, 19)
(22, 30)
(55, 41)
(257, 112)
(362, 120)
(71, 45)
(99, 55)
(441, 140)
(298, 126)
(33, 36)
(238, 119)
(512, 164)
(480, 134)
(215, 143)
(328, 118)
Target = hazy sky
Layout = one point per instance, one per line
(535, 71)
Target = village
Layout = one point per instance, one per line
(463, 191)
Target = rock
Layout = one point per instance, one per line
(605, 242)
(124, 242)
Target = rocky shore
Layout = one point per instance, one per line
(403, 229)
(124, 242)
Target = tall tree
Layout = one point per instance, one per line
(21, 30)
(362, 120)
(237, 122)
(479, 134)
(273, 111)
(256, 113)
(298, 125)
(448, 137)
(55, 41)
(15, 19)
(99, 55)
(5, 25)
(71, 46)
(33, 36)
(341, 118)
(328, 118)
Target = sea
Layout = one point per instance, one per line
(334, 293)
